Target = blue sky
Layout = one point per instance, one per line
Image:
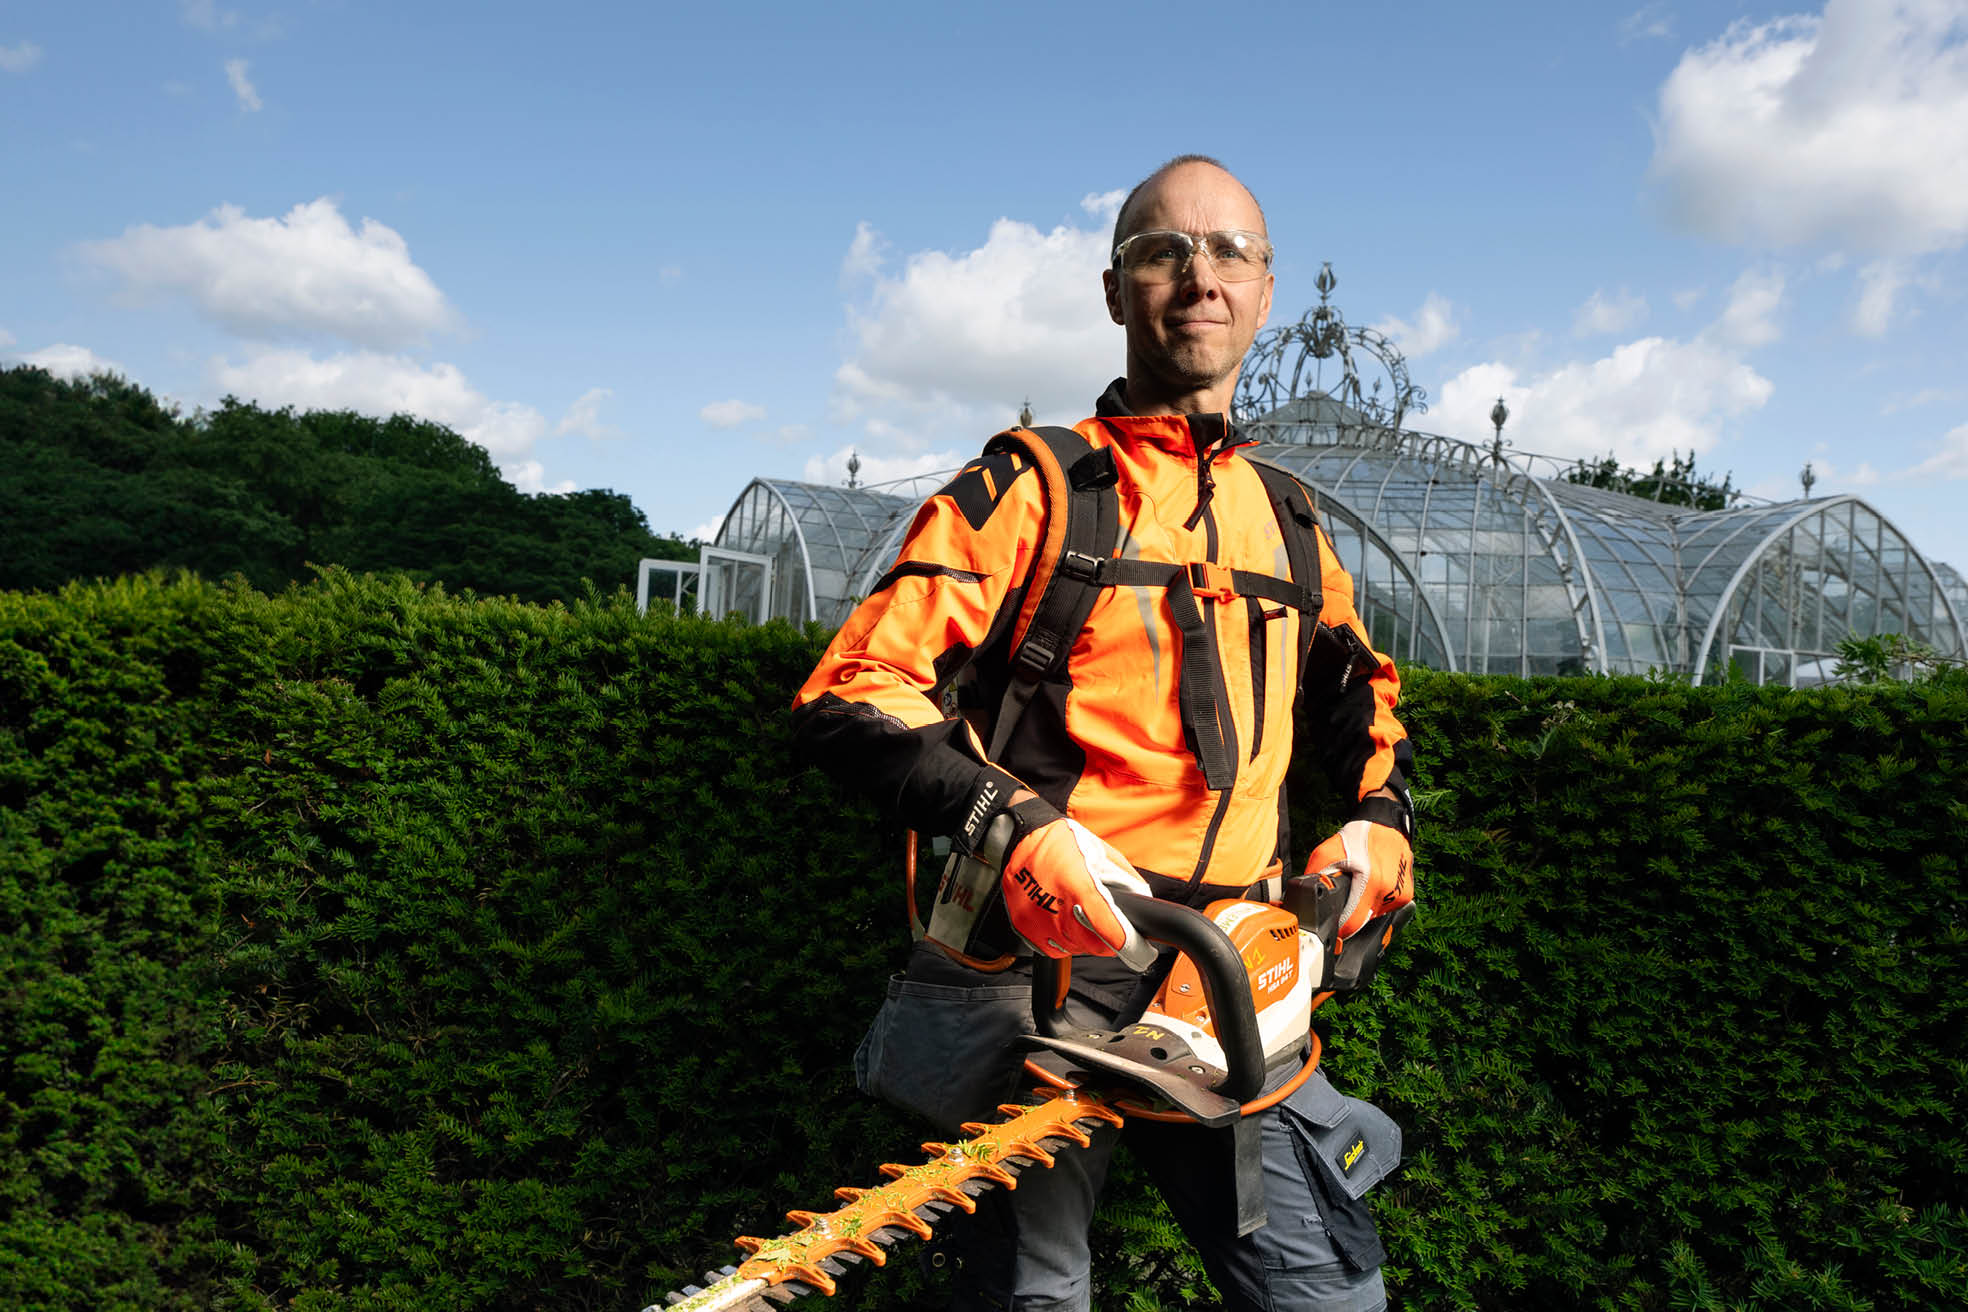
(666, 248)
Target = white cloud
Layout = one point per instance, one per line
(1925, 396)
(531, 476)
(1950, 462)
(1601, 315)
(249, 98)
(864, 254)
(706, 531)
(1653, 20)
(269, 279)
(20, 58)
(1436, 324)
(66, 361)
(377, 384)
(1750, 317)
(731, 414)
(6, 339)
(584, 416)
(954, 342)
(1879, 286)
(1849, 129)
(1645, 400)
(1104, 205)
(1685, 299)
(207, 16)
(876, 468)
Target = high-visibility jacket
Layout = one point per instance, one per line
(1106, 744)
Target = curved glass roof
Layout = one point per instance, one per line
(1463, 559)
(817, 538)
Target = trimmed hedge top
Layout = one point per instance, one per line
(367, 947)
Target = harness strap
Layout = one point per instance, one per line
(1083, 521)
(1203, 579)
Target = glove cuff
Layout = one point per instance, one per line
(1386, 811)
(990, 797)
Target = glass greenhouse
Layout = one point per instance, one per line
(1463, 559)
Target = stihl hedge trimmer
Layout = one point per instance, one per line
(1237, 1003)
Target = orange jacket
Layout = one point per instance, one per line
(1107, 745)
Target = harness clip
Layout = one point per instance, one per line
(1079, 565)
(1208, 579)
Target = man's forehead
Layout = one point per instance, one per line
(1195, 195)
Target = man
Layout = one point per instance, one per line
(1155, 764)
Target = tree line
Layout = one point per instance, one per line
(99, 478)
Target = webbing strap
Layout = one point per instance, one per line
(1299, 524)
(1201, 578)
(1086, 523)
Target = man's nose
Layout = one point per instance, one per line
(1198, 278)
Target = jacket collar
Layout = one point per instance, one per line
(1187, 434)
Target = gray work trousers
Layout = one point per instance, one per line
(941, 1046)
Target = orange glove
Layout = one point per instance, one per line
(1055, 890)
(1377, 858)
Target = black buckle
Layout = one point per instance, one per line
(1080, 565)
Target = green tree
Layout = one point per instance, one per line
(1673, 482)
(100, 479)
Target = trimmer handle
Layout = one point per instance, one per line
(1225, 984)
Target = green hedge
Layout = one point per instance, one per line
(369, 947)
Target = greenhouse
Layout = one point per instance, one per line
(1464, 557)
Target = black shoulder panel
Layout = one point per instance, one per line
(982, 483)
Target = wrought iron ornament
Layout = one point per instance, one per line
(1296, 360)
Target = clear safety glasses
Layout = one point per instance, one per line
(1163, 255)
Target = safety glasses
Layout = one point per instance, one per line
(1163, 255)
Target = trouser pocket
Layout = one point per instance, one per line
(944, 1051)
(1345, 1147)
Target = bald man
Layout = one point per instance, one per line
(1131, 766)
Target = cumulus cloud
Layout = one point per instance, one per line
(207, 16)
(66, 361)
(1645, 400)
(1602, 314)
(6, 339)
(1750, 317)
(1880, 283)
(378, 384)
(954, 342)
(864, 254)
(20, 58)
(249, 98)
(584, 416)
(731, 414)
(1950, 462)
(1649, 22)
(875, 468)
(1104, 205)
(1849, 128)
(307, 273)
(1435, 324)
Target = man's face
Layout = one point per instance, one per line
(1191, 334)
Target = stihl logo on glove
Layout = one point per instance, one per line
(1063, 871)
(1036, 891)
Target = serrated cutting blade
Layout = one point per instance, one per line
(870, 1221)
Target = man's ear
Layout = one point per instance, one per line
(1111, 282)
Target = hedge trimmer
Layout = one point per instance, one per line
(1237, 1003)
